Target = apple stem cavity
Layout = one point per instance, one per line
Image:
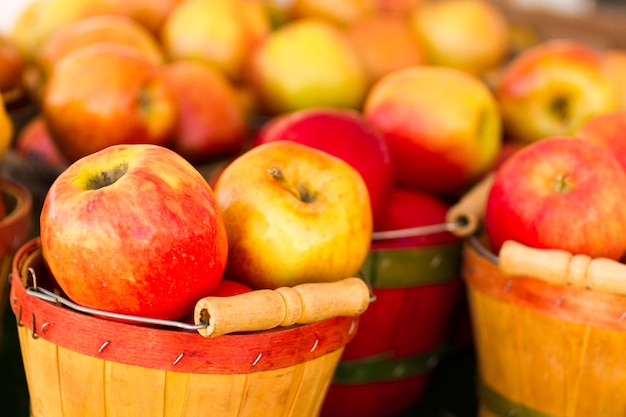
(300, 192)
(560, 107)
(105, 178)
(562, 184)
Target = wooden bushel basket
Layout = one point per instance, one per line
(80, 365)
(14, 226)
(549, 331)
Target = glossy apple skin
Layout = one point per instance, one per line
(278, 239)
(442, 126)
(343, 133)
(122, 98)
(608, 129)
(306, 63)
(551, 89)
(470, 35)
(211, 123)
(152, 243)
(562, 193)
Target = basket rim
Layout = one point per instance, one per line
(169, 350)
(573, 304)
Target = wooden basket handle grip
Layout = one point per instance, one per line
(563, 268)
(469, 211)
(266, 309)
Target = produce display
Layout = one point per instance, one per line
(223, 148)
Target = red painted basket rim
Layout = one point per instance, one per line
(577, 305)
(170, 350)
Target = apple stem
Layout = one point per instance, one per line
(300, 193)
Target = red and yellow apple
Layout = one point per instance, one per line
(96, 29)
(307, 63)
(12, 65)
(442, 126)
(121, 98)
(151, 14)
(608, 129)
(34, 143)
(552, 88)
(211, 122)
(471, 35)
(615, 67)
(560, 193)
(293, 214)
(385, 43)
(220, 32)
(134, 229)
(343, 133)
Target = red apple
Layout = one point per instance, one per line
(229, 287)
(442, 126)
(345, 134)
(408, 208)
(211, 122)
(134, 229)
(34, 143)
(293, 214)
(561, 193)
(552, 88)
(122, 98)
(607, 129)
(12, 65)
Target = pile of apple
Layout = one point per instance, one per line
(302, 103)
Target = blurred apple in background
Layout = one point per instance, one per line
(552, 88)
(471, 35)
(293, 214)
(149, 13)
(96, 29)
(560, 193)
(615, 67)
(12, 65)
(442, 126)
(307, 63)
(106, 94)
(220, 32)
(608, 129)
(40, 18)
(147, 218)
(6, 129)
(385, 43)
(338, 12)
(211, 122)
(343, 133)
(402, 7)
(34, 143)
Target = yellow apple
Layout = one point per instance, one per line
(40, 18)
(385, 43)
(106, 94)
(615, 65)
(220, 32)
(552, 89)
(149, 13)
(341, 12)
(293, 214)
(471, 35)
(306, 63)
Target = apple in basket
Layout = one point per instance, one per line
(343, 133)
(608, 129)
(561, 193)
(293, 214)
(134, 229)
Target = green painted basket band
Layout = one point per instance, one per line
(380, 368)
(411, 267)
(503, 407)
